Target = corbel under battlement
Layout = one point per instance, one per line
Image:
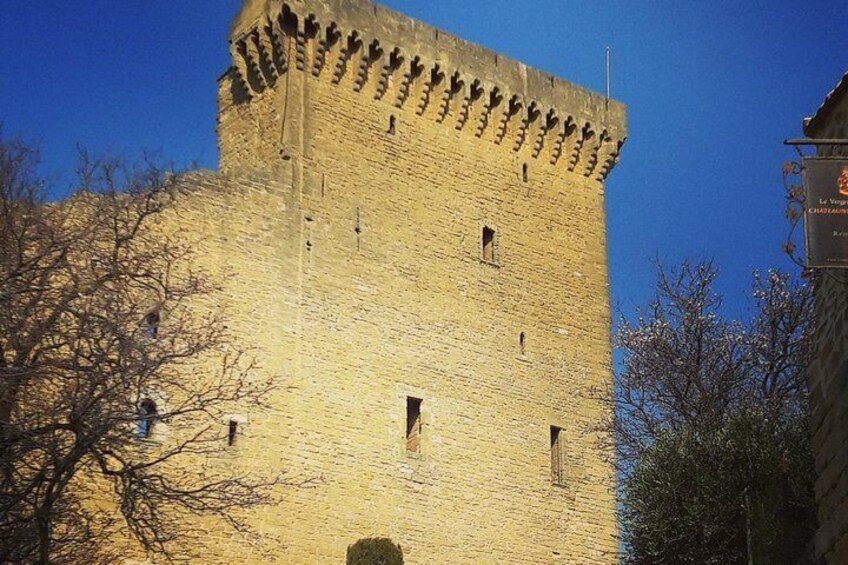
(399, 61)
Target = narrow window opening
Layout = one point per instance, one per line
(522, 343)
(413, 424)
(308, 220)
(392, 124)
(358, 230)
(524, 173)
(151, 325)
(557, 475)
(488, 244)
(231, 434)
(147, 413)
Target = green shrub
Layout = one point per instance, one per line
(374, 551)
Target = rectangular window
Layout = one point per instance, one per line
(147, 414)
(413, 425)
(231, 433)
(488, 244)
(151, 325)
(557, 475)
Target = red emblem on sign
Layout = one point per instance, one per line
(842, 182)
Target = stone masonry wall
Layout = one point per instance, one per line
(351, 223)
(828, 379)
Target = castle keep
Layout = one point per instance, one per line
(415, 229)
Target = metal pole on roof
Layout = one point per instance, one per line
(608, 75)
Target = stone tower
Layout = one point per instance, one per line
(416, 230)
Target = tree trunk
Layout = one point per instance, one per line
(44, 536)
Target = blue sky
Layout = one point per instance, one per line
(712, 88)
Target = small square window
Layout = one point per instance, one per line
(413, 425)
(488, 244)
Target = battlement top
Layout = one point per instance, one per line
(372, 24)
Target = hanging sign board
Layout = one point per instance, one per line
(826, 211)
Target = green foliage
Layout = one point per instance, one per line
(694, 497)
(374, 551)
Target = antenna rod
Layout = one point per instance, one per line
(608, 75)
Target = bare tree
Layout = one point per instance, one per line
(105, 323)
(685, 364)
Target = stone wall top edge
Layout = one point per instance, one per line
(414, 38)
(813, 124)
(274, 177)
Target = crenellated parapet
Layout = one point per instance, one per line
(394, 60)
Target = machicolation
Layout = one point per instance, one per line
(391, 58)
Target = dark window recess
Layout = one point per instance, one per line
(524, 172)
(392, 124)
(557, 474)
(413, 424)
(488, 245)
(151, 325)
(522, 343)
(231, 433)
(147, 413)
